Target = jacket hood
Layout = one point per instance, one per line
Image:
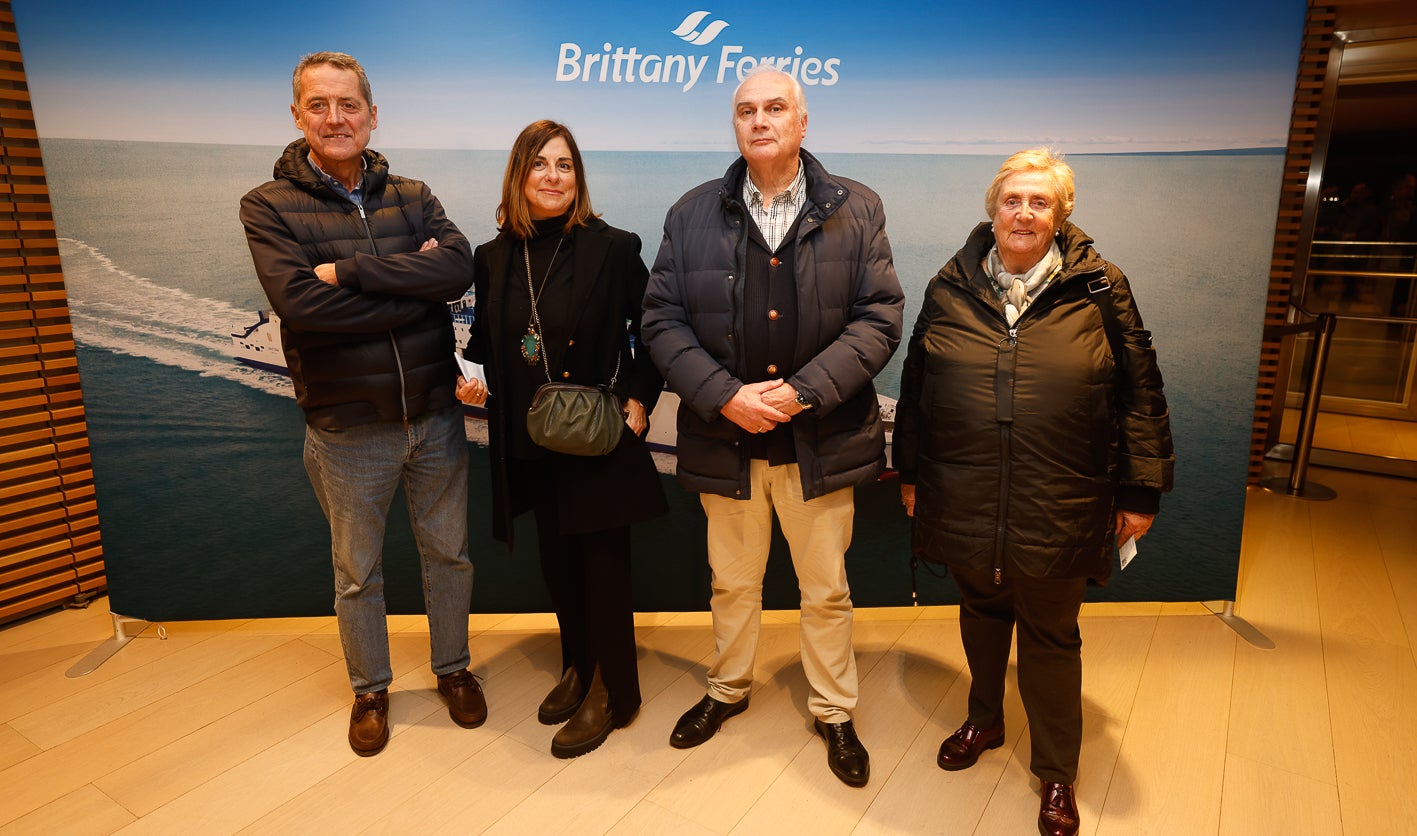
(294, 165)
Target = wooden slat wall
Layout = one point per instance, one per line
(50, 550)
(1303, 124)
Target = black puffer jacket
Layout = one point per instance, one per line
(1021, 449)
(380, 346)
(849, 305)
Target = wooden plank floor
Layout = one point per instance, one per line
(238, 726)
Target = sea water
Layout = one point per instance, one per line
(197, 457)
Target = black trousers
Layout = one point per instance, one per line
(1045, 613)
(588, 576)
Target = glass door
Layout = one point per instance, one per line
(1360, 262)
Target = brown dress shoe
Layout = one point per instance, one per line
(466, 705)
(590, 725)
(1058, 812)
(962, 749)
(369, 723)
(563, 700)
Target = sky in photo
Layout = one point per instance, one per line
(881, 77)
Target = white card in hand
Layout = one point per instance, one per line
(1127, 551)
(469, 369)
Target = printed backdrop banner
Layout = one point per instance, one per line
(155, 118)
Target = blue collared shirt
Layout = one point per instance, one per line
(356, 196)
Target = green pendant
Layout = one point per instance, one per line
(531, 347)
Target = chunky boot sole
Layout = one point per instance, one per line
(581, 747)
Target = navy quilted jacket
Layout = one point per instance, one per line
(849, 307)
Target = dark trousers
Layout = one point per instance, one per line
(1045, 612)
(588, 576)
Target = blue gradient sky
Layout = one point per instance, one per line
(942, 77)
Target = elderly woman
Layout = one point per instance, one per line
(558, 298)
(1031, 436)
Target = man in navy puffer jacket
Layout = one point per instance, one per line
(771, 306)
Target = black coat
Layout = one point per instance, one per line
(1021, 450)
(380, 346)
(608, 279)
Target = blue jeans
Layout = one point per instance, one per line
(355, 472)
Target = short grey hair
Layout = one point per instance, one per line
(334, 59)
(798, 94)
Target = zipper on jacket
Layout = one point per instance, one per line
(1005, 365)
(403, 385)
(398, 360)
(368, 233)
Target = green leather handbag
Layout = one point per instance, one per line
(575, 419)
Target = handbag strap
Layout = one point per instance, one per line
(536, 317)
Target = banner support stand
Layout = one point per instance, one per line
(125, 629)
(1245, 629)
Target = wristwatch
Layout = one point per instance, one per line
(803, 402)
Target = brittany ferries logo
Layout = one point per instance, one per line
(689, 31)
(615, 64)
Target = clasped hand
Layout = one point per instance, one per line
(758, 407)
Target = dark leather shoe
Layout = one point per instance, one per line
(590, 725)
(1058, 811)
(369, 723)
(702, 721)
(845, 754)
(962, 749)
(466, 704)
(563, 700)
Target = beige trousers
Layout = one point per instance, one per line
(818, 532)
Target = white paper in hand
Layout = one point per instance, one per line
(469, 369)
(1127, 551)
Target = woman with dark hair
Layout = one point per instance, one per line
(1032, 436)
(558, 298)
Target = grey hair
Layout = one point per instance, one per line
(798, 94)
(334, 59)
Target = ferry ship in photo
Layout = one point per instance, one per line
(258, 345)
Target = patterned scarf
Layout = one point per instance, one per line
(1017, 290)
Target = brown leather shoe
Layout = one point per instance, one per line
(369, 723)
(1058, 811)
(962, 749)
(466, 705)
(590, 725)
(563, 700)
